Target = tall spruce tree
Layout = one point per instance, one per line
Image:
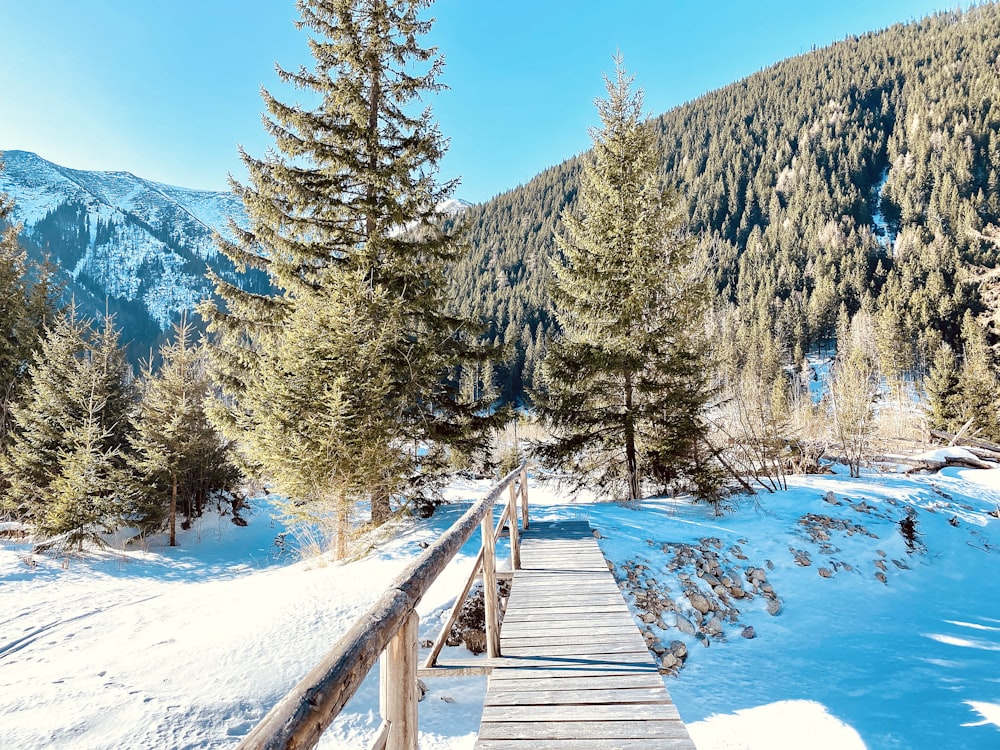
(342, 217)
(66, 458)
(625, 383)
(26, 304)
(178, 456)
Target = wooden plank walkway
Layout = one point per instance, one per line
(574, 672)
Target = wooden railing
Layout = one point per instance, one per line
(391, 627)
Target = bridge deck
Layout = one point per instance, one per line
(575, 672)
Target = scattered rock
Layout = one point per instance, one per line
(881, 576)
(421, 690)
(684, 625)
(679, 649)
(826, 572)
(699, 602)
(773, 607)
(748, 632)
(713, 626)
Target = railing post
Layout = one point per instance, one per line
(490, 594)
(398, 686)
(524, 494)
(515, 541)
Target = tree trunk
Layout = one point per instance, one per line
(343, 520)
(631, 460)
(173, 510)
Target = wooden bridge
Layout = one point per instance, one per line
(568, 669)
(574, 672)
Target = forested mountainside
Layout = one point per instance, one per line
(863, 174)
(118, 242)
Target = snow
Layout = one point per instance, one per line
(188, 647)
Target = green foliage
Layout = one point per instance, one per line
(331, 383)
(178, 458)
(66, 457)
(625, 383)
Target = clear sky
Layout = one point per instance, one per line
(167, 89)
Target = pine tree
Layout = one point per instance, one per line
(25, 307)
(978, 382)
(942, 386)
(346, 205)
(625, 383)
(179, 458)
(66, 457)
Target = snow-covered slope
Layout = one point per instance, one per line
(893, 647)
(142, 246)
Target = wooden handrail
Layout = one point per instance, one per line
(297, 720)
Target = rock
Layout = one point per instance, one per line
(831, 498)
(699, 602)
(713, 626)
(773, 607)
(421, 690)
(657, 649)
(669, 661)
(427, 643)
(684, 625)
(770, 565)
(648, 618)
(767, 589)
(447, 699)
(847, 566)
(880, 564)
(826, 572)
(748, 632)
(679, 649)
(881, 576)
(597, 534)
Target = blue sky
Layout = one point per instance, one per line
(168, 89)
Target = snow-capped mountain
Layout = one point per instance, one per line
(139, 247)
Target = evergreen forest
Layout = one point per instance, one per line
(863, 176)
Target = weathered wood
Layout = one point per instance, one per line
(490, 593)
(617, 695)
(381, 737)
(662, 710)
(660, 743)
(297, 720)
(398, 687)
(447, 670)
(972, 442)
(541, 730)
(456, 610)
(523, 483)
(515, 547)
(575, 667)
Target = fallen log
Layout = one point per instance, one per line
(980, 445)
(933, 465)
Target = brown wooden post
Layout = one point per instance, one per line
(524, 495)
(515, 540)
(398, 686)
(490, 593)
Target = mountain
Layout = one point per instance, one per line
(865, 174)
(135, 247)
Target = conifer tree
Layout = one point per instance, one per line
(25, 307)
(178, 456)
(625, 383)
(66, 457)
(942, 386)
(979, 384)
(346, 205)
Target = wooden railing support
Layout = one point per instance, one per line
(490, 594)
(524, 496)
(398, 695)
(515, 539)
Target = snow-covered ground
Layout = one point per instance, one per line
(188, 647)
